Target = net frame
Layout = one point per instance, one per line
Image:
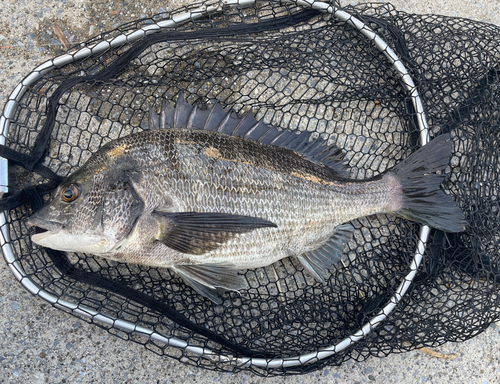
(417, 329)
(127, 326)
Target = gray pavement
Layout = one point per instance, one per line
(40, 344)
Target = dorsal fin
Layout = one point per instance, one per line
(216, 119)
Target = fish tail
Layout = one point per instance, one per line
(421, 198)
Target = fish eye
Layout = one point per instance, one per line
(70, 193)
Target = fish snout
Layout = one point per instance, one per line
(35, 221)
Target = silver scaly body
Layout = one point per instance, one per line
(207, 193)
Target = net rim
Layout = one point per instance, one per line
(127, 326)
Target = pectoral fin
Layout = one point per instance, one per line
(211, 279)
(198, 233)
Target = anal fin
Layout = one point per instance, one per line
(319, 261)
(211, 279)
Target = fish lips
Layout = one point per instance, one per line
(58, 238)
(52, 228)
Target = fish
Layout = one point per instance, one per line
(208, 193)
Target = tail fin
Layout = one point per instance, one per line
(422, 199)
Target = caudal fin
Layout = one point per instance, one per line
(423, 200)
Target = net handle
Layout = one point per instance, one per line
(299, 360)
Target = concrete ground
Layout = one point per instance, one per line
(40, 344)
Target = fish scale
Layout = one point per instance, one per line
(207, 193)
(262, 193)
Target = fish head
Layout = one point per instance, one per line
(89, 213)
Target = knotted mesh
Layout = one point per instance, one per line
(296, 68)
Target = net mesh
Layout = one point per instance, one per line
(296, 69)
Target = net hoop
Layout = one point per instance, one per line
(127, 326)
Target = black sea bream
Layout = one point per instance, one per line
(207, 193)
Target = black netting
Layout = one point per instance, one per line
(296, 69)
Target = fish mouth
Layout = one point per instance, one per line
(57, 237)
(50, 226)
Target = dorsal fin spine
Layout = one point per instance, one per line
(277, 138)
(251, 130)
(210, 114)
(154, 120)
(180, 101)
(166, 115)
(223, 122)
(200, 117)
